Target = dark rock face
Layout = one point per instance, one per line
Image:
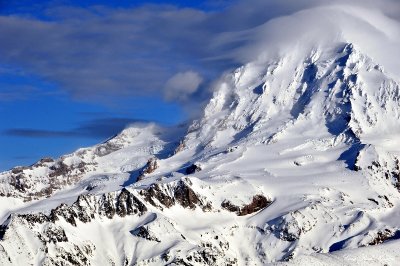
(107, 148)
(396, 174)
(180, 147)
(109, 205)
(186, 196)
(155, 191)
(59, 169)
(227, 205)
(143, 232)
(290, 236)
(128, 204)
(381, 237)
(44, 161)
(34, 218)
(167, 196)
(19, 169)
(149, 168)
(19, 182)
(258, 203)
(64, 211)
(3, 229)
(192, 169)
(54, 234)
(85, 208)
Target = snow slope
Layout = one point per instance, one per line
(385, 254)
(296, 155)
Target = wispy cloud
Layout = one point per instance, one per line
(182, 85)
(98, 53)
(37, 133)
(97, 128)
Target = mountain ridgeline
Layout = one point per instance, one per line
(294, 155)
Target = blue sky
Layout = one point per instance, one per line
(74, 73)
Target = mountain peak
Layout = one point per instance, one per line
(267, 173)
(337, 88)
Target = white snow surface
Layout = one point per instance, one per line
(312, 126)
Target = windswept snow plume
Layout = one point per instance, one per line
(365, 23)
(294, 161)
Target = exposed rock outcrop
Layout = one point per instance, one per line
(143, 232)
(128, 204)
(158, 196)
(167, 195)
(110, 204)
(382, 236)
(86, 207)
(192, 169)
(54, 234)
(149, 168)
(180, 147)
(258, 203)
(185, 196)
(22, 182)
(107, 148)
(370, 160)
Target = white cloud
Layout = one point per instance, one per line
(182, 85)
(134, 52)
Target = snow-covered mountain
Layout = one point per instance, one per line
(296, 153)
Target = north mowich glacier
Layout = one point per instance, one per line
(294, 161)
